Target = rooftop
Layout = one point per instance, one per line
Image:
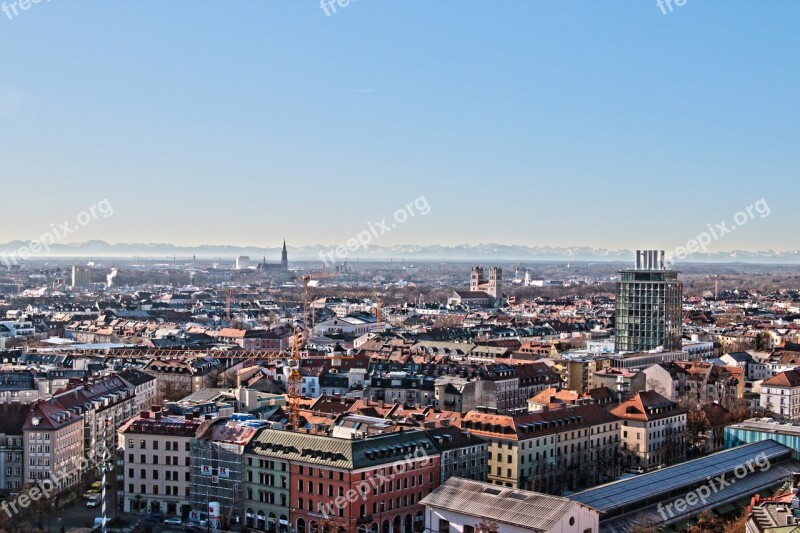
(529, 510)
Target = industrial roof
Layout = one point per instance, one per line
(742, 490)
(615, 495)
(530, 510)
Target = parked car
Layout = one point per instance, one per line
(94, 501)
(173, 521)
(94, 489)
(155, 517)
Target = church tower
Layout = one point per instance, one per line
(476, 279)
(284, 257)
(495, 289)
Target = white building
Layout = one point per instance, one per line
(459, 505)
(781, 395)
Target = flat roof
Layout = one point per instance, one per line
(616, 496)
(667, 514)
(768, 425)
(522, 508)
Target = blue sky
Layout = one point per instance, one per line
(603, 123)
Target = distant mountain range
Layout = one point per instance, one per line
(461, 252)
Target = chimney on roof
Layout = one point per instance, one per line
(189, 416)
(145, 414)
(155, 408)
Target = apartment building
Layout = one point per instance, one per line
(780, 395)
(177, 379)
(667, 379)
(12, 419)
(217, 461)
(709, 383)
(144, 388)
(105, 404)
(388, 473)
(550, 450)
(578, 373)
(53, 439)
(266, 486)
(157, 465)
(622, 382)
(463, 454)
(652, 430)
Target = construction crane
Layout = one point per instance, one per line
(306, 279)
(293, 386)
(378, 310)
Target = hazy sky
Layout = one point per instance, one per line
(599, 123)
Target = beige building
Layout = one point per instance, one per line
(578, 374)
(652, 430)
(156, 462)
(53, 445)
(144, 388)
(550, 450)
(176, 379)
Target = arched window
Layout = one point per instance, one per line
(301, 525)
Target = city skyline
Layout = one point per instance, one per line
(632, 129)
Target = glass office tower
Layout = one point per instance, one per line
(648, 307)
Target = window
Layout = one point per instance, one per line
(444, 526)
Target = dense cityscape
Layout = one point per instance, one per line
(240, 395)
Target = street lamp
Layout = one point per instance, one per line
(106, 466)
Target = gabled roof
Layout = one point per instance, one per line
(790, 378)
(647, 406)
